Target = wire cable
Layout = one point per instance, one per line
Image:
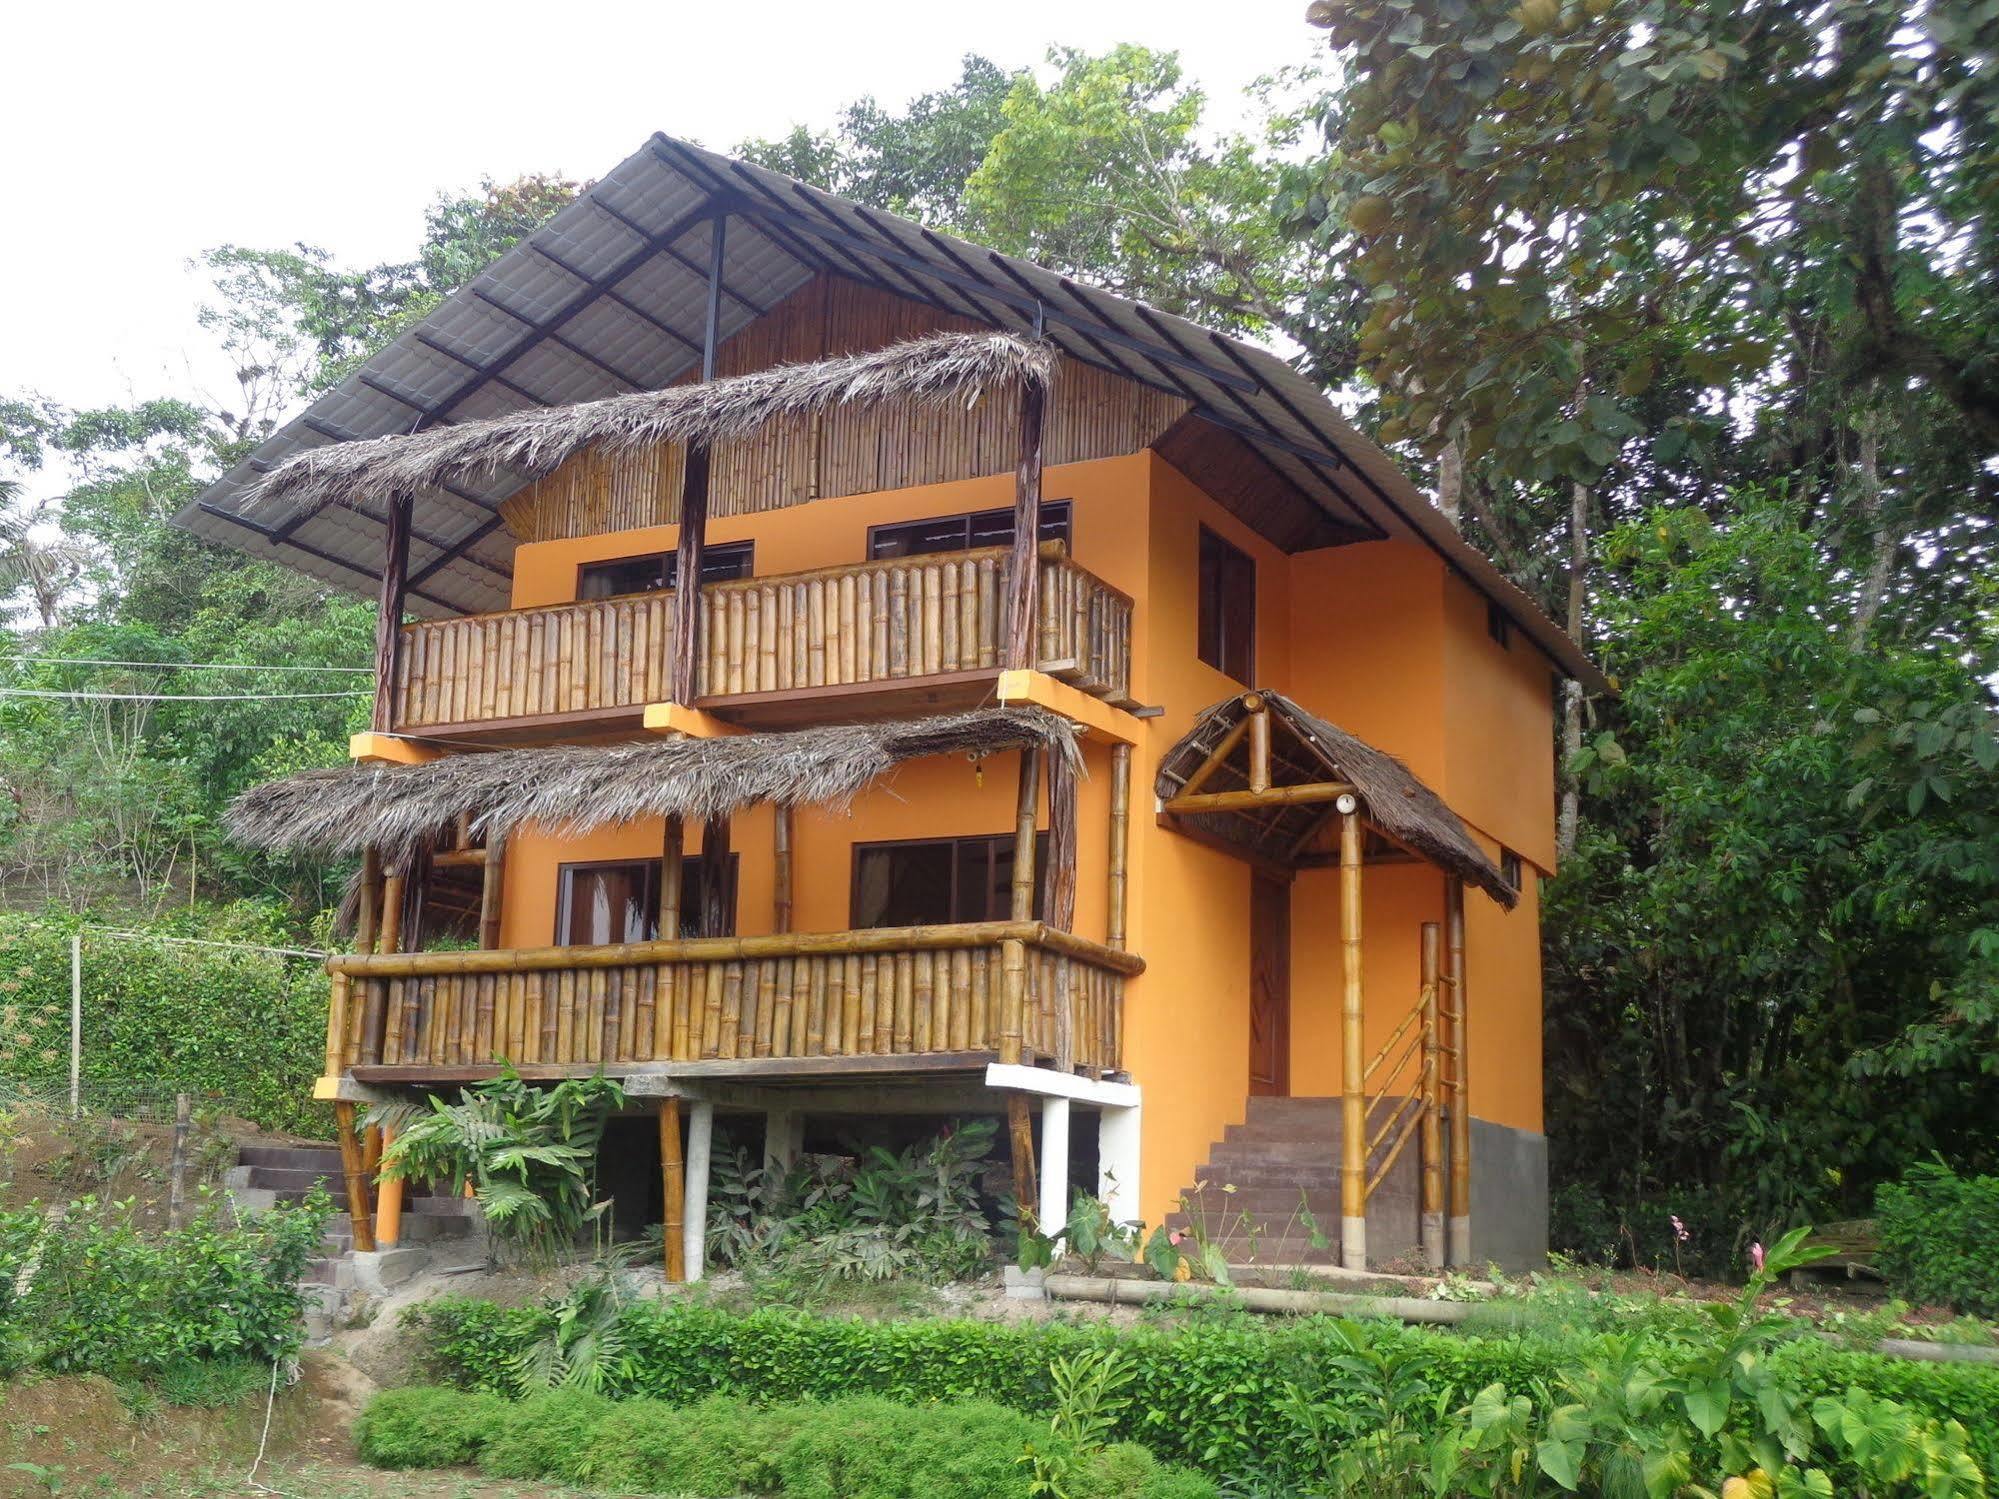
(173, 665)
(177, 697)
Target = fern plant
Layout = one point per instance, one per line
(528, 1153)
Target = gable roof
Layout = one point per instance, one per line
(610, 296)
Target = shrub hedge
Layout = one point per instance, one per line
(1205, 1393)
(862, 1447)
(1939, 1237)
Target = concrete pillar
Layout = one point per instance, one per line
(784, 1137)
(1054, 1166)
(1117, 1162)
(694, 1222)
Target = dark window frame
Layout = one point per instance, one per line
(1512, 868)
(1055, 522)
(952, 842)
(741, 554)
(1214, 642)
(1498, 625)
(690, 886)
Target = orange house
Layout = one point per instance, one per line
(1074, 720)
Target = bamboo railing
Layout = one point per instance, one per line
(879, 993)
(864, 622)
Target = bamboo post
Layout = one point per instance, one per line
(673, 1179)
(1456, 1039)
(356, 1177)
(1259, 743)
(1430, 1142)
(389, 612)
(1013, 985)
(391, 929)
(75, 1024)
(492, 883)
(388, 1202)
(781, 831)
(177, 1161)
(368, 925)
(336, 1024)
(1114, 923)
(1353, 1105)
(1024, 583)
(1024, 817)
(687, 641)
(673, 844)
(715, 877)
(1059, 903)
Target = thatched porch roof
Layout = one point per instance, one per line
(577, 788)
(961, 367)
(1308, 749)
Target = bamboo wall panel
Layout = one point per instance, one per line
(868, 622)
(1091, 414)
(777, 999)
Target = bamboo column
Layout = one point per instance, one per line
(1013, 985)
(673, 1179)
(1059, 904)
(1023, 598)
(687, 642)
(1353, 1103)
(389, 612)
(1430, 1140)
(1456, 1039)
(715, 877)
(388, 1203)
(781, 831)
(368, 922)
(375, 994)
(1259, 743)
(1114, 924)
(492, 882)
(672, 859)
(355, 1175)
(336, 1025)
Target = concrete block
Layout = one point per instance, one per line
(1024, 1285)
(383, 1270)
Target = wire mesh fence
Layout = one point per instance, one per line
(147, 1100)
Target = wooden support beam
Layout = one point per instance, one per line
(1023, 599)
(673, 1182)
(1013, 986)
(1353, 1105)
(672, 863)
(1259, 743)
(368, 922)
(355, 1176)
(1456, 1038)
(687, 642)
(389, 616)
(1312, 794)
(715, 877)
(1120, 850)
(392, 912)
(781, 899)
(1059, 896)
(1026, 807)
(1430, 1142)
(1216, 758)
(491, 888)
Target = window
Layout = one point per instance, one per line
(960, 533)
(1227, 626)
(655, 571)
(1509, 867)
(1498, 626)
(618, 901)
(930, 881)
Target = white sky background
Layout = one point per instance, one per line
(137, 135)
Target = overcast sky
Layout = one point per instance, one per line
(138, 135)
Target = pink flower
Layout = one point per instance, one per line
(1679, 1228)
(1175, 1237)
(1756, 1257)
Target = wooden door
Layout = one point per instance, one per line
(1269, 987)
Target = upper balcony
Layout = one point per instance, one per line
(904, 635)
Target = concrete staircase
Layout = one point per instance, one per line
(434, 1225)
(1269, 1180)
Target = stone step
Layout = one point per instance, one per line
(324, 1158)
(1278, 1202)
(1286, 1176)
(294, 1179)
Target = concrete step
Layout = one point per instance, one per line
(1282, 1177)
(324, 1158)
(1269, 1202)
(294, 1179)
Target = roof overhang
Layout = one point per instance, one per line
(611, 296)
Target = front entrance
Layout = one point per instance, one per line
(1269, 987)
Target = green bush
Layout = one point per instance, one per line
(246, 1027)
(83, 1291)
(865, 1447)
(1206, 1394)
(1940, 1237)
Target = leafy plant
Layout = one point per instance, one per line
(584, 1346)
(1939, 1236)
(529, 1154)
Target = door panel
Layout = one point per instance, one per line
(1269, 987)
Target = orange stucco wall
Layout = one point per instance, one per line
(1377, 637)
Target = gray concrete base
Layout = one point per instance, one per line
(1024, 1285)
(1509, 1198)
(381, 1271)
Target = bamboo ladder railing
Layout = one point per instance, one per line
(1404, 1099)
(857, 623)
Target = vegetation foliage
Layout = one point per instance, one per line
(1939, 1235)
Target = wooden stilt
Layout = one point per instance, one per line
(1353, 1103)
(1457, 1095)
(1430, 1139)
(673, 843)
(781, 832)
(355, 1175)
(1120, 851)
(673, 1181)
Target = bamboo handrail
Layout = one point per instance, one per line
(969, 934)
(1380, 1173)
(1374, 1063)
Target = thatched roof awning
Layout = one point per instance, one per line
(1306, 748)
(961, 367)
(577, 788)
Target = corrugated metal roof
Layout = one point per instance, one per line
(611, 295)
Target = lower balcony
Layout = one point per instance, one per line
(891, 1000)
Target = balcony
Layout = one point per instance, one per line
(891, 1000)
(906, 635)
